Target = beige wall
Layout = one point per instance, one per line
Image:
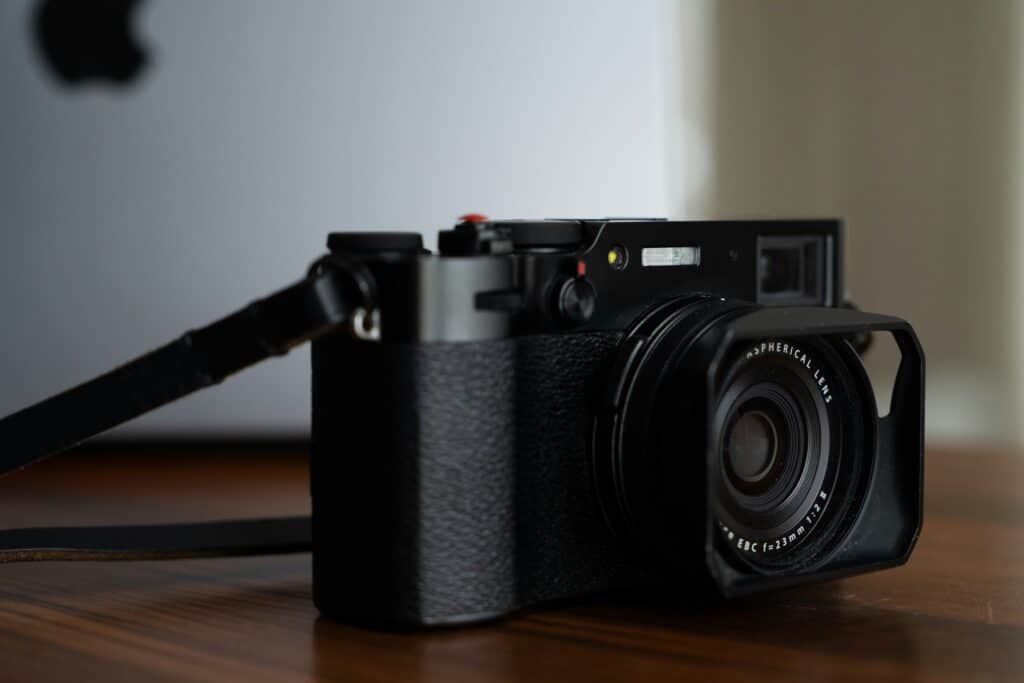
(901, 117)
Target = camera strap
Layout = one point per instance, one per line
(334, 293)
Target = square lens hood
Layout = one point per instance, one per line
(883, 531)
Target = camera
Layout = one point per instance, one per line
(551, 409)
(545, 410)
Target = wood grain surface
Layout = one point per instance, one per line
(954, 613)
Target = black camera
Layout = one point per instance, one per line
(558, 408)
(551, 409)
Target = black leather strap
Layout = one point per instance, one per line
(157, 541)
(200, 358)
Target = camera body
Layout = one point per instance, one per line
(551, 409)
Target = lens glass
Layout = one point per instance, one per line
(756, 447)
(751, 447)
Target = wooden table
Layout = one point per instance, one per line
(956, 612)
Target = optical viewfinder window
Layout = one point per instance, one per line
(791, 270)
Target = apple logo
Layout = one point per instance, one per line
(84, 41)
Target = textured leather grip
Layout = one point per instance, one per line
(200, 358)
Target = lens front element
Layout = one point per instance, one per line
(756, 446)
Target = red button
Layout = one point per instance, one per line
(473, 218)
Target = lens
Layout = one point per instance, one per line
(775, 452)
(751, 447)
(753, 452)
(790, 443)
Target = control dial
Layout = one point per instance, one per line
(576, 300)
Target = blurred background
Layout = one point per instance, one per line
(206, 166)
